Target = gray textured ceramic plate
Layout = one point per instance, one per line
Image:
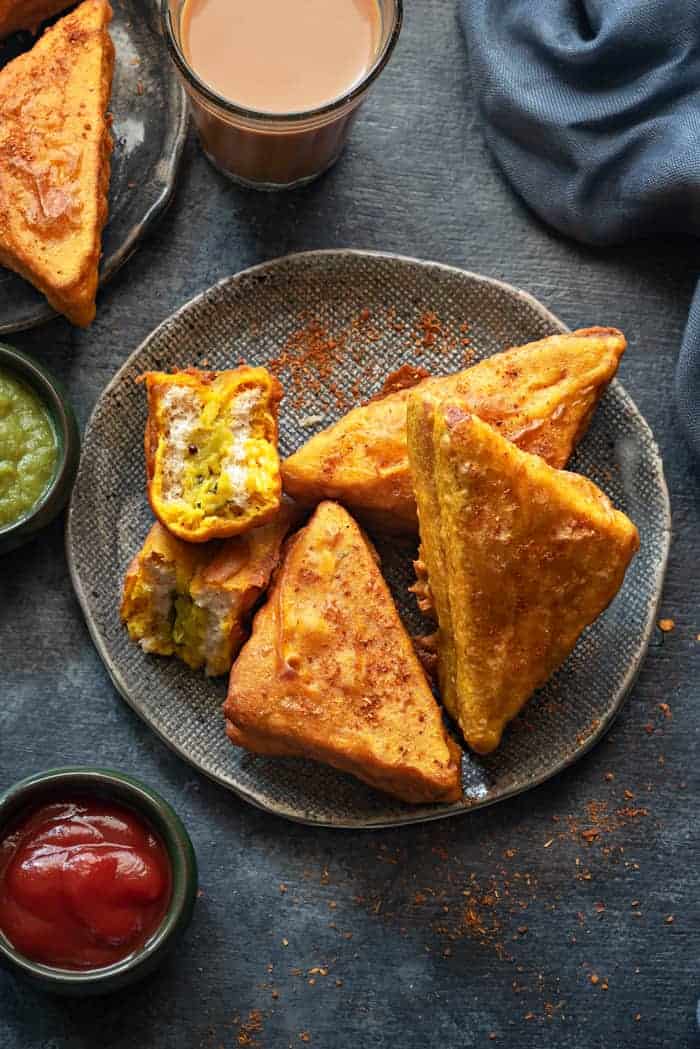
(150, 124)
(378, 310)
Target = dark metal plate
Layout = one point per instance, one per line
(377, 307)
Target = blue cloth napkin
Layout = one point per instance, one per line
(592, 109)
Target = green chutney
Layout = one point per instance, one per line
(28, 451)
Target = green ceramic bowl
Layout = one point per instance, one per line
(114, 786)
(54, 498)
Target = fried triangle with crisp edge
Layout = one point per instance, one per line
(520, 557)
(541, 396)
(330, 673)
(55, 150)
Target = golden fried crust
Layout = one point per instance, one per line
(55, 150)
(541, 396)
(200, 509)
(27, 14)
(521, 558)
(240, 572)
(330, 674)
(222, 580)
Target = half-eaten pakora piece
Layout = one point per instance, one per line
(55, 147)
(520, 558)
(27, 14)
(192, 601)
(541, 396)
(330, 673)
(211, 451)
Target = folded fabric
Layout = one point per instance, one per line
(592, 109)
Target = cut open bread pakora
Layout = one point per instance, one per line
(55, 150)
(28, 14)
(541, 396)
(330, 673)
(520, 558)
(192, 601)
(211, 451)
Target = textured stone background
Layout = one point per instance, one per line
(406, 957)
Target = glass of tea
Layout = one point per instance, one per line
(274, 85)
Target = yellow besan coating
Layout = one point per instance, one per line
(211, 451)
(520, 558)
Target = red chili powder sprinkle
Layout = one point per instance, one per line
(308, 359)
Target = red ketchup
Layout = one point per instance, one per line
(83, 884)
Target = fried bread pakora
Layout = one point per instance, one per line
(330, 673)
(192, 601)
(55, 150)
(520, 558)
(27, 14)
(541, 396)
(211, 451)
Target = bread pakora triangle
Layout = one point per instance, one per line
(211, 450)
(192, 601)
(541, 396)
(27, 14)
(520, 558)
(55, 147)
(330, 673)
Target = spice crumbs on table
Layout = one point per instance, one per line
(668, 920)
(666, 625)
(250, 1028)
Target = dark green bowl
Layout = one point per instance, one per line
(49, 390)
(114, 786)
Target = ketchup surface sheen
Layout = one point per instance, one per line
(83, 883)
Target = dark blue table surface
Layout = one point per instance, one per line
(506, 924)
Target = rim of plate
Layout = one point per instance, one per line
(456, 808)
